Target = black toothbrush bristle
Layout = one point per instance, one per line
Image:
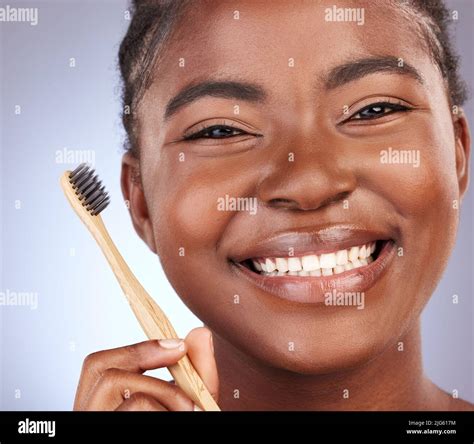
(89, 189)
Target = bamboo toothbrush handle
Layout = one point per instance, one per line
(152, 319)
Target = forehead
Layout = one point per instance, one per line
(256, 39)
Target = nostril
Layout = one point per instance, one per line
(283, 203)
(335, 199)
(291, 204)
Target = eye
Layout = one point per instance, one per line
(377, 110)
(215, 132)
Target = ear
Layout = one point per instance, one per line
(463, 150)
(132, 190)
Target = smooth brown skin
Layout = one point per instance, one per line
(173, 204)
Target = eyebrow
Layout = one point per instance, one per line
(225, 89)
(356, 69)
(252, 92)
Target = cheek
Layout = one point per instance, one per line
(186, 211)
(192, 212)
(423, 196)
(188, 228)
(417, 173)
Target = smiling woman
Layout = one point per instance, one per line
(314, 300)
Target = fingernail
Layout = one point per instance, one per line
(171, 344)
(211, 341)
(197, 408)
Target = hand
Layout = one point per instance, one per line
(114, 380)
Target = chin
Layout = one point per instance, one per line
(323, 352)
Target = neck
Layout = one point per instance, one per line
(392, 381)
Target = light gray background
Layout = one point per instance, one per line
(45, 248)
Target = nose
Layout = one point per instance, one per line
(310, 179)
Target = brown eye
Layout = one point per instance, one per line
(376, 110)
(216, 132)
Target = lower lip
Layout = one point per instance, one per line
(312, 289)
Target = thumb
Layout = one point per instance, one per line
(201, 354)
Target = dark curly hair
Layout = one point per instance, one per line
(154, 21)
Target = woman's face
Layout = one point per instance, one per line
(328, 171)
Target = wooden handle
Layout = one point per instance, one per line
(154, 322)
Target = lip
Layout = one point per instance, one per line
(325, 240)
(312, 289)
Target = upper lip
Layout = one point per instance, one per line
(327, 239)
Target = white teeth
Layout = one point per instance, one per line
(326, 264)
(270, 265)
(281, 264)
(294, 264)
(342, 257)
(363, 252)
(356, 263)
(327, 271)
(310, 263)
(353, 254)
(328, 260)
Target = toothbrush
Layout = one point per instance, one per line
(88, 198)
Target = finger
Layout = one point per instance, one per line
(135, 358)
(140, 402)
(117, 385)
(201, 354)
